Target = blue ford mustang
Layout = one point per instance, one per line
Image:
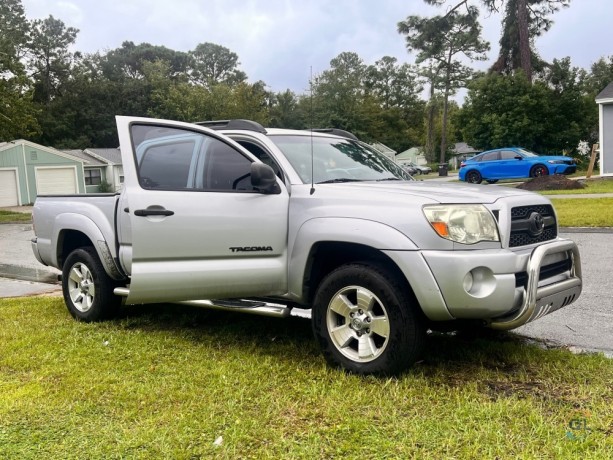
(513, 163)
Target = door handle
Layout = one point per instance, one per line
(153, 212)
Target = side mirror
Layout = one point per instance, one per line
(264, 179)
(519, 157)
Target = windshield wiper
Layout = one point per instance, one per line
(388, 178)
(340, 179)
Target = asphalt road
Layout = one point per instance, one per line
(585, 325)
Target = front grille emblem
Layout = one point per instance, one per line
(536, 224)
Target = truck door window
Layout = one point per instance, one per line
(177, 159)
(167, 166)
(225, 169)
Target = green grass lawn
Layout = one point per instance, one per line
(584, 212)
(167, 381)
(592, 186)
(14, 217)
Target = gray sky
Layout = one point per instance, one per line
(278, 41)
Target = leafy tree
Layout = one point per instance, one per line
(523, 20)
(285, 111)
(502, 110)
(17, 111)
(574, 115)
(339, 92)
(49, 56)
(128, 61)
(444, 39)
(600, 76)
(13, 37)
(212, 64)
(395, 85)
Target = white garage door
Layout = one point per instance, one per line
(56, 181)
(8, 188)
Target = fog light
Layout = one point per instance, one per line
(468, 282)
(480, 282)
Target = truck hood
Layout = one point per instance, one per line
(425, 191)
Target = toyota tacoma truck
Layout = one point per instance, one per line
(231, 215)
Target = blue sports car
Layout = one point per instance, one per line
(513, 163)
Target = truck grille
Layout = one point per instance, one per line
(532, 224)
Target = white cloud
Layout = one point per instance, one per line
(277, 41)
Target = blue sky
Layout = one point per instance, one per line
(278, 41)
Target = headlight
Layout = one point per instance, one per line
(556, 162)
(463, 223)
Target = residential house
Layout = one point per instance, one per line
(605, 106)
(28, 170)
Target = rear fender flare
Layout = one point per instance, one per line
(86, 226)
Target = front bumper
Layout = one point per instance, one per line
(504, 288)
(540, 301)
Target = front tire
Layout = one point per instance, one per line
(366, 321)
(87, 289)
(539, 171)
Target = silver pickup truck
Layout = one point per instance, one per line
(234, 216)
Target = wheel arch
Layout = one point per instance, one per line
(327, 256)
(74, 231)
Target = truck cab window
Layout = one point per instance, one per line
(176, 159)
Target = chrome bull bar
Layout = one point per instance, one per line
(540, 301)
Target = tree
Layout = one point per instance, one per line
(338, 94)
(601, 74)
(523, 20)
(50, 58)
(395, 85)
(286, 112)
(502, 110)
(444, 39)
(212, 64)
(128, 61)
(17, 111)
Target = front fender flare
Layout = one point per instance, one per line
(342, 230)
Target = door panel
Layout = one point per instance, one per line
(198, 229)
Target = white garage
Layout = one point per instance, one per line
(56, 180)
(9, 188)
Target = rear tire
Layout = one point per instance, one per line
(473, 177)
(87, 289)
(367, 321)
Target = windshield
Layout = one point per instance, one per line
(337, 160)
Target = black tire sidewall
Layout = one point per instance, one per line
(407, 332)
(544, 170)
(476, 174)
(105, 303)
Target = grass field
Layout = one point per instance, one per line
(14, 217)
(592, 186)
(582, 212)
(168, 381)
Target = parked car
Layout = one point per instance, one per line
(513, 163)
(410, 169)
(262, 220)
(419, 169)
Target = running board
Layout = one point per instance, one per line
(238, 305)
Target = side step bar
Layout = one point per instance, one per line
(238, 305)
